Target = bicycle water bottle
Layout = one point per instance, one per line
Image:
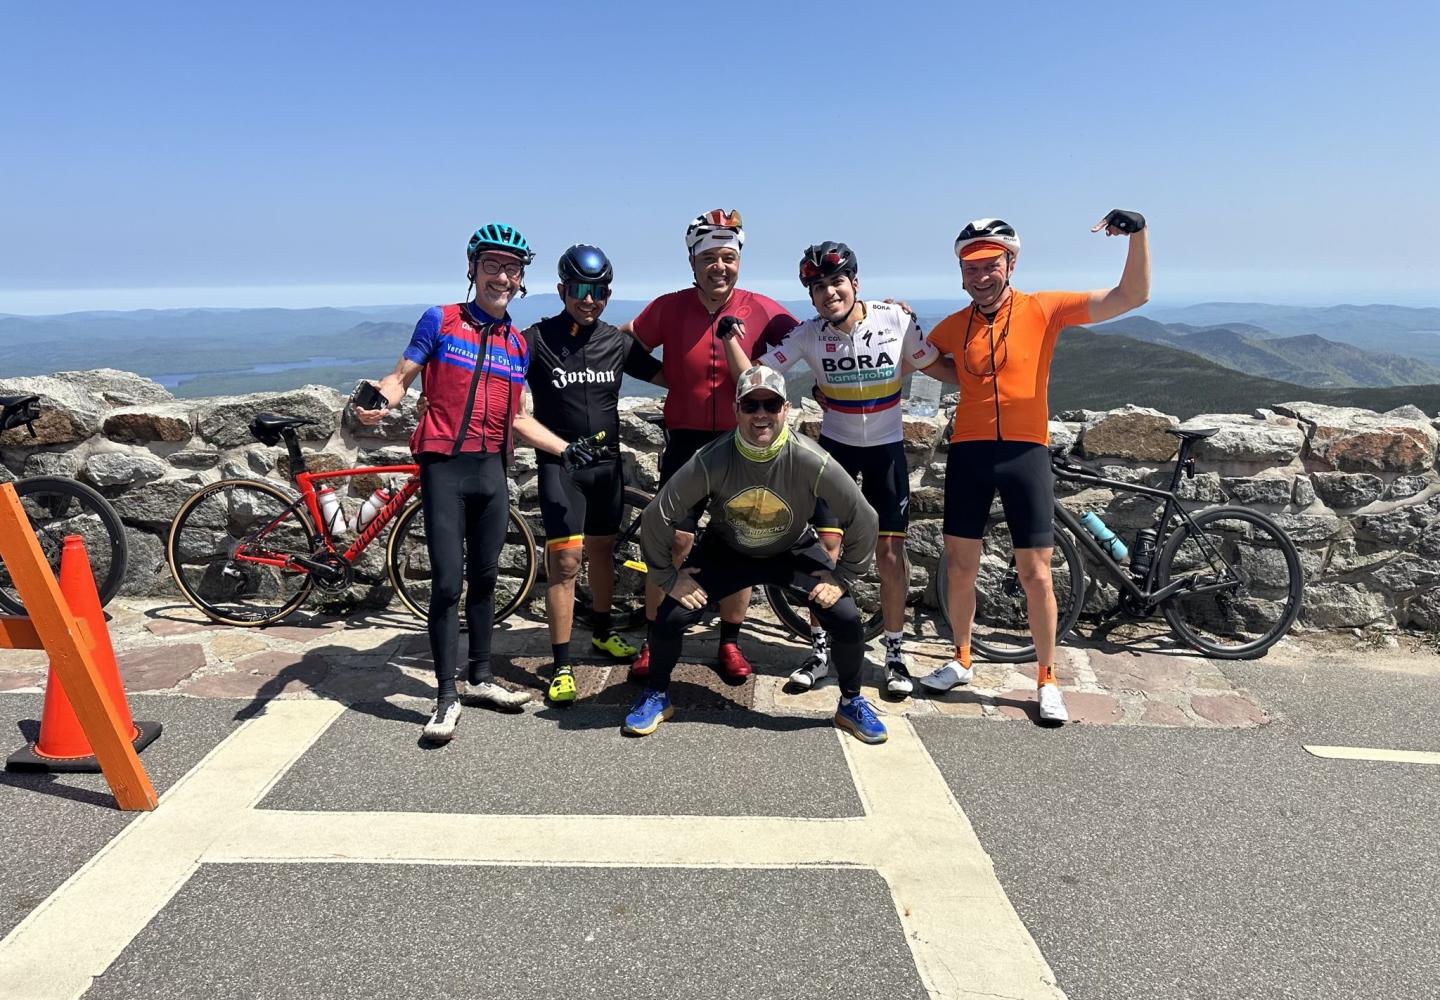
(924, 398)
(331, 513)
(1144, 552)
(373, 504)
(1104, 536)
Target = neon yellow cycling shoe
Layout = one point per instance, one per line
(615, 646)
(562, 686)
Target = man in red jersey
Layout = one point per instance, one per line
(699, 405)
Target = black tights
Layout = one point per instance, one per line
(465, 503)
(721, 571)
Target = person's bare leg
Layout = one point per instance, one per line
(962, 556)
(561, 568)
(1033, 565)
(894, 580)
(600, 551)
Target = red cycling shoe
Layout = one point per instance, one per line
(640, 666)
(733, 665)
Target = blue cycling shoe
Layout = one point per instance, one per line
(860, 719)
(651, 709)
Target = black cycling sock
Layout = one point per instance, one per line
(603, 626)
(729, 632)
(560, 654)
(480, 672)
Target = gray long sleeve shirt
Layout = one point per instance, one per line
(759, 508)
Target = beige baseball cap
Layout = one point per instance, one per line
(759, 377)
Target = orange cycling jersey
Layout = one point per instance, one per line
(1004, 363)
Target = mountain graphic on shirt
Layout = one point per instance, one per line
(758, 515)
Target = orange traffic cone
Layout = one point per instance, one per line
(63, 745)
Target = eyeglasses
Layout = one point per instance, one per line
(809, 270)
(719, 217)
(581, 289)
(492, 267)
(772, 405)
(999, 349)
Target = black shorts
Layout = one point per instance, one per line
(884, 480)
(722, 570)
(1020, 471)
(579, 503)
(680, 447)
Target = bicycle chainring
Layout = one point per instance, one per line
(341, 575)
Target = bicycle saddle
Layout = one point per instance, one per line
(18, 410)
(1193, 433)
(268, 427)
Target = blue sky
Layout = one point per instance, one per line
(165, 154)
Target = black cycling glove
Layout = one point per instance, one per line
(725, 329)
(1126, 222)
(584, 452)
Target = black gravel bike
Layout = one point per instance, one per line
(58, 507)
(1227, 579)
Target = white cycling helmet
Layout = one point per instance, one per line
(987, 238)
(716, 228)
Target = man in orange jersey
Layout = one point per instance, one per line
(1002, 344)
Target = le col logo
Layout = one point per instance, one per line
(560, 378)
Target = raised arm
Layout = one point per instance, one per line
(1133, 290)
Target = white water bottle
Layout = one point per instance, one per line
(331, 513)
(373, 504)
(924, 396)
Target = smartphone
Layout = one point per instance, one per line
(367, 397)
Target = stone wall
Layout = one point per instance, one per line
(1357, 490)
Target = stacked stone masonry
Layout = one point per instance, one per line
(1357, 490)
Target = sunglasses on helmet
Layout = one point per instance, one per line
(718, 217)
(772, 405)
(580, 289)
(810, 269)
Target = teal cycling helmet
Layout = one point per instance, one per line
(497, 236)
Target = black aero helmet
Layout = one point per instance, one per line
(826, 259)
(583, 262)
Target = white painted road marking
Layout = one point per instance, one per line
(966, 938)
(1369, 753)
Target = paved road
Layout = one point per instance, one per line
(313, 850)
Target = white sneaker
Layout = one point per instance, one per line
(898, 682)
(490, 693)
(949, 676)
(441, 727)
(1052, 706)
(814, 670)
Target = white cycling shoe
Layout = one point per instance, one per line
(951, 675)
(1052, 705)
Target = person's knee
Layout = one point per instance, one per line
(564, 565)
(964, 561)
(889, 556)
(671, 620)
(445, 593)
(1034, 577)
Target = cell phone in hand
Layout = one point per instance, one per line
(368, 397)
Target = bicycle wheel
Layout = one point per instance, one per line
(232, 551)
(60, 507)
(1001, 631)
(408, 561)
(794, 613)
(1245, 582)
(627, 602)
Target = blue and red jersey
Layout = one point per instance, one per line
(473, 379)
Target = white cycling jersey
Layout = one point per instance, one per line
(858, 372)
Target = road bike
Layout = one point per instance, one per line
(250, 551)
(58, 507)
(1227, 579)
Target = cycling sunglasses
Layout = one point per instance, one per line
(580, 289)
(774, 405)
(809, 269)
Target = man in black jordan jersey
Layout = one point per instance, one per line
(577, 362)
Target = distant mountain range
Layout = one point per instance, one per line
(1306, 359)
(1216, 356)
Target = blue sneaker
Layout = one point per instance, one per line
(652, 708)
(860, 719)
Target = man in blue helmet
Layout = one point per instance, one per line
(474, 363)
(577, 362)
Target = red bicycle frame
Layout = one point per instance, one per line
(306, 482)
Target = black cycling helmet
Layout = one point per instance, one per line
(583, 262)
(826, 259)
